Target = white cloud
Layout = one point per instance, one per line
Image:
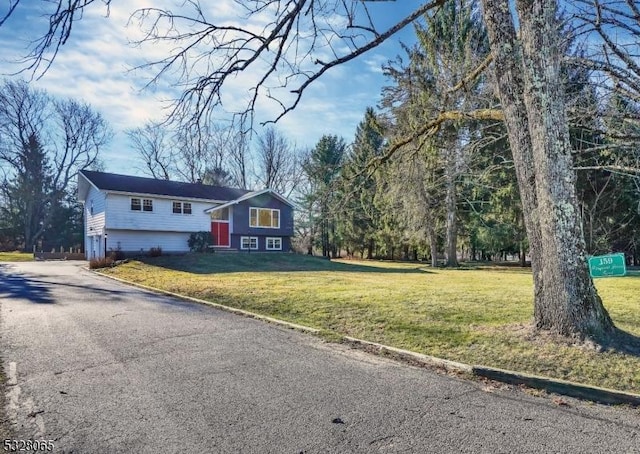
(96, 66)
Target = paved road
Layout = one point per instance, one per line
(103, 368)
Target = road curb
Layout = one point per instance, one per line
(558, 386)
(551, 385)
(420, 358)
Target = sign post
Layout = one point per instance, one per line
(610, 265)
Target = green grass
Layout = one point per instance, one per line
(16, 256)
(478, 315)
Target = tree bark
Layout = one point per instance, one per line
(529, 85)
(571, 304)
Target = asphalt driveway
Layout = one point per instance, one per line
(100, 367)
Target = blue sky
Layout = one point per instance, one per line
(96, 64)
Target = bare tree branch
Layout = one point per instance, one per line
(612, 168)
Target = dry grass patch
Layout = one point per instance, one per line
(476, 315)
(16, 256)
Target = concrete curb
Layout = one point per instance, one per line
(552, 385)
(407, 355)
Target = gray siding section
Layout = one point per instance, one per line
(241, 217)
(241, 223)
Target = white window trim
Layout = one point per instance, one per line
(181, 213)
(143, 205)
(242, 238)
(278, 239)
(173, 202)
(142, 210)
(271, 210)
(131, 199)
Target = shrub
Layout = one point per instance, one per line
(104, 262)
(116, 255)
(200, 241)
(155, 252)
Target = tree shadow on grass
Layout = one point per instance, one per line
(17, 286)
(620, 341)
(273, 262)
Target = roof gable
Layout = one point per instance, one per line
(251, 195)
(139, 185)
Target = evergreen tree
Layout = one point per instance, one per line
(31, 193)
(322, 169)
(359, 214)
(450, 44)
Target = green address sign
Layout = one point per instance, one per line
(607, 265)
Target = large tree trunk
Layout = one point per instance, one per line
(529, 85)
(508, 83)
(571, 303)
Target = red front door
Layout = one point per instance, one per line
(220, 232)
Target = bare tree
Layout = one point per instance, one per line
(302, 39)
(152, 144)
(43, 144)
(188, 154)
(238, 157)
(62, 16)
(231, 144)
(278, 163)
(611, 55)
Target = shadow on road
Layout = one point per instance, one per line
(17, 286)
(114, 295)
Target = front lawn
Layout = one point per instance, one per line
(477, 315)
(16, 256)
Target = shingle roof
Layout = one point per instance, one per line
(139, 185)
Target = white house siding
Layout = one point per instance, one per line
(162, 218)
(94, 212)
(142, 241)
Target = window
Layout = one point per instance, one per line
(248, 242)
(181, 207)
(220, 215)
(91, 209)
(274, 244)
(264, 217)
(141, 204)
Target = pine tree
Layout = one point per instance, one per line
(31, 192)
(322, 168)
(360, 217)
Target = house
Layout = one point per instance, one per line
(135, 214)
